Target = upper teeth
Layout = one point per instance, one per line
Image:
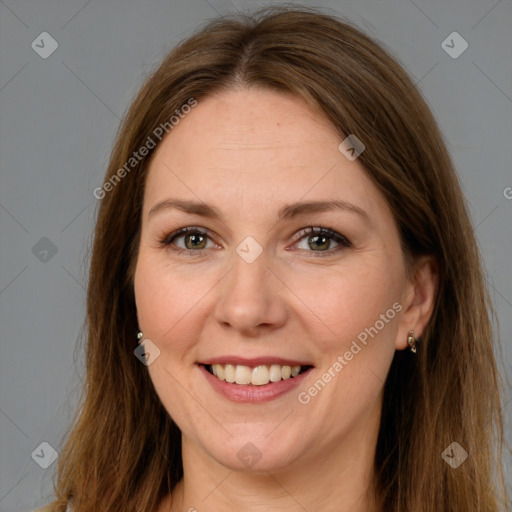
(257, 376)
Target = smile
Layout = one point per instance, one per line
(257, 376)
(254, 380)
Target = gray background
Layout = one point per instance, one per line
(58, 120)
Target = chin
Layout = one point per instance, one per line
(256, 453)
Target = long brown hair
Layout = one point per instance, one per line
(123, 452)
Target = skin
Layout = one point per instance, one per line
(249, 152)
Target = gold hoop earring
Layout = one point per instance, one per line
(411, 339)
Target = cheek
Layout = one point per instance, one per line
(168, 305)
(345, 303)
(355, 341)
(168, 302)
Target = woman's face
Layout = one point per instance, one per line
(252, 288)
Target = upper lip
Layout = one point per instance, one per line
(255, 361)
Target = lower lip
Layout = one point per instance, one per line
(253, 394)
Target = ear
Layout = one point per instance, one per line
(418, 300)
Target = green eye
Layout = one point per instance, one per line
(195, 241)
(320, 238)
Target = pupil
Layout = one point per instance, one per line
(316, 238)
(313, 245)
(195, 237)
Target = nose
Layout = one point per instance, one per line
(251, 297)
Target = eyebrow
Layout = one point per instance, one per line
(287, 212)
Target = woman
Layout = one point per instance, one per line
(230, 366)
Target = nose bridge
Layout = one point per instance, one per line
(250, 296)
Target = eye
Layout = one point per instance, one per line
(194, 240)
(318, 238)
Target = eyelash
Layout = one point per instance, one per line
(326, 232)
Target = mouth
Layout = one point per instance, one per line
(255, 375)
(254, 380)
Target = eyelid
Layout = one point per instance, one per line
(340, 239)
(322, 230)
(169, 238)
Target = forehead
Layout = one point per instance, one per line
(251, 150)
